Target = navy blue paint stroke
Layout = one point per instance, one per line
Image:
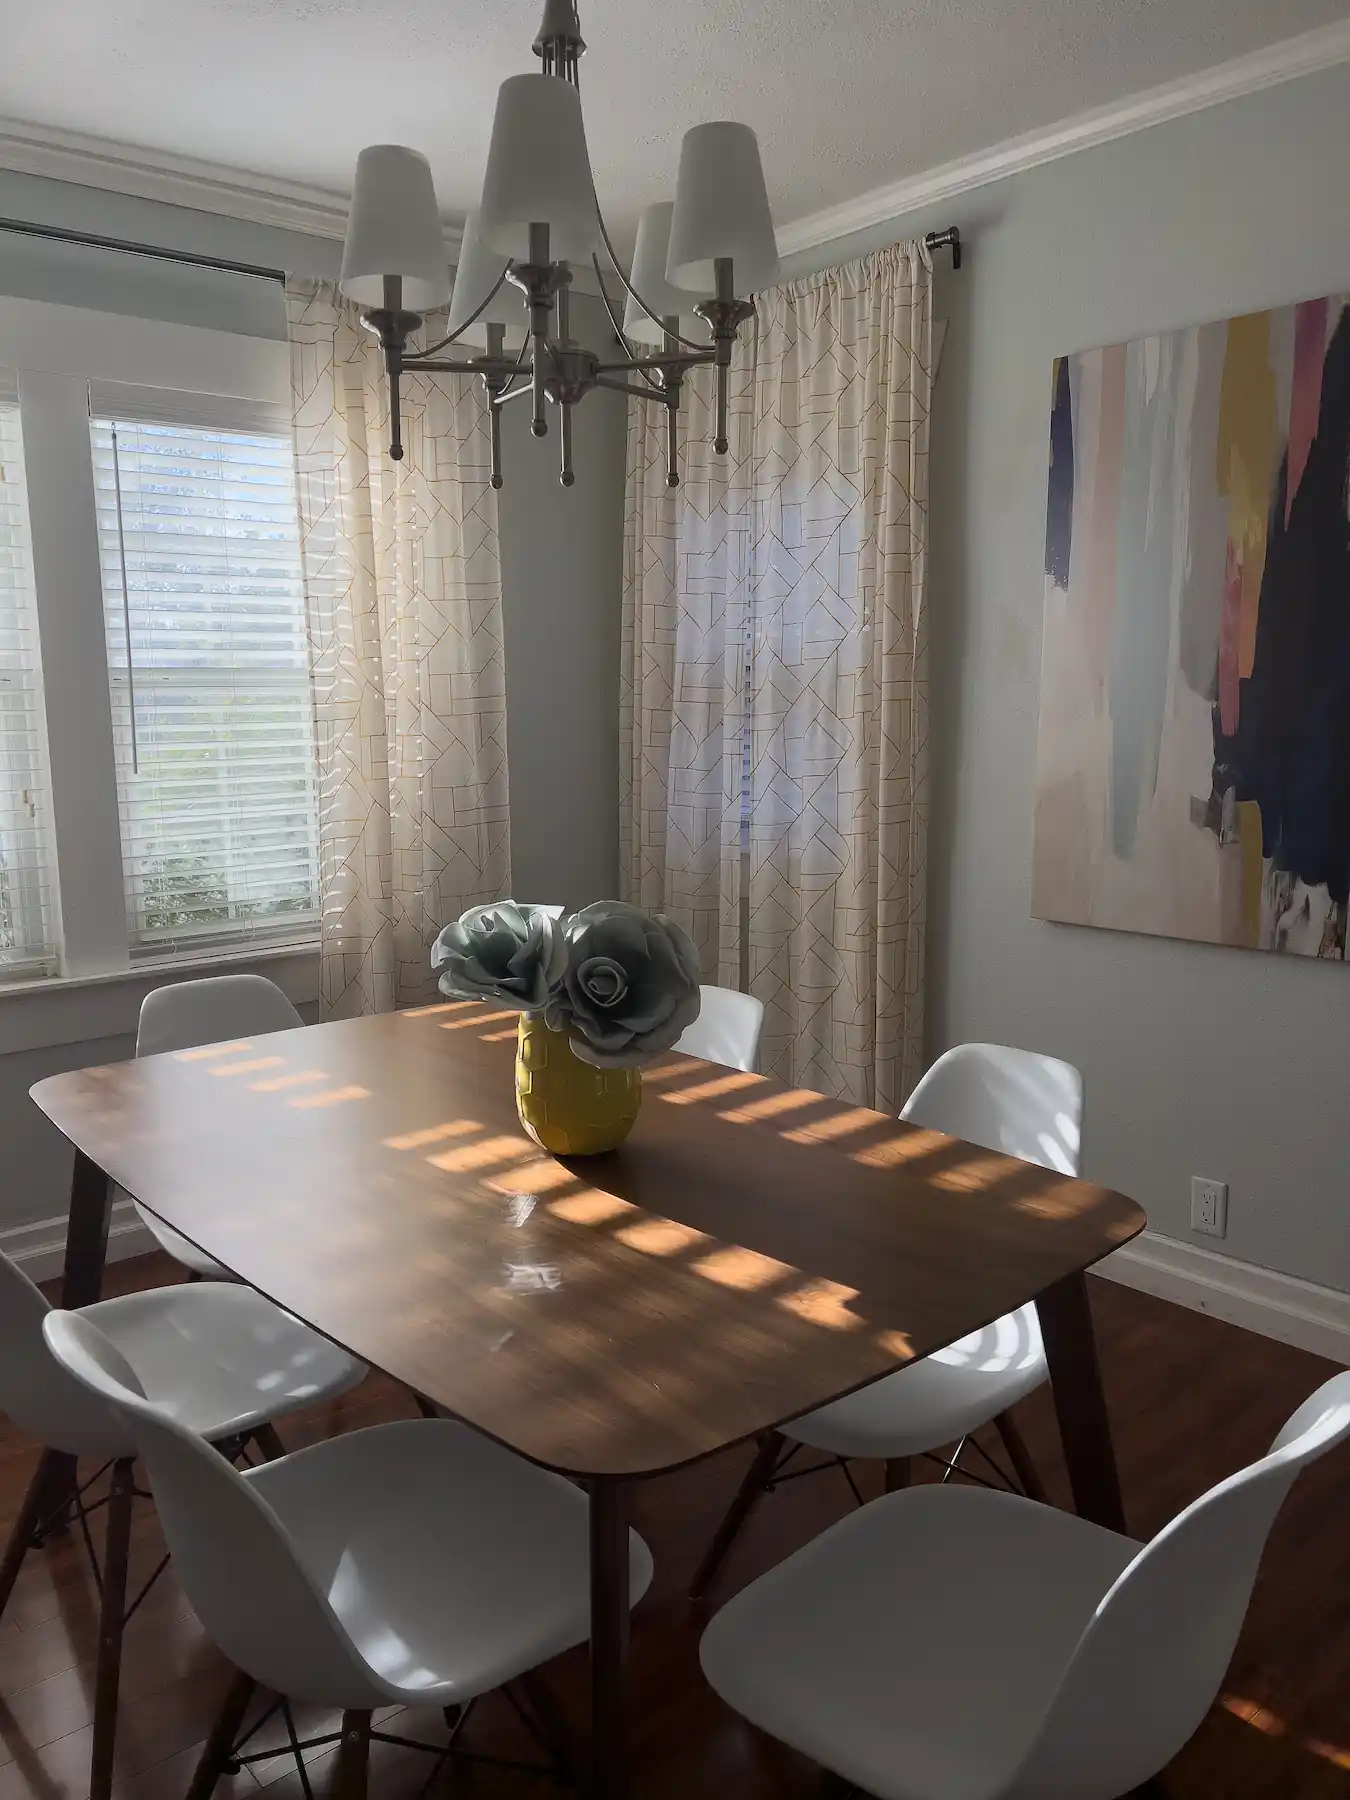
(1291, 750)
(1059, 504)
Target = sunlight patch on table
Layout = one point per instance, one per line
(334, 1097)
(824, 1131)
(432, 1134)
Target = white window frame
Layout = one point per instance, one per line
(56, 352)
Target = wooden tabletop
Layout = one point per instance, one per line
(750, 1253)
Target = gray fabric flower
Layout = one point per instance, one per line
(631, 986)
(505, 952)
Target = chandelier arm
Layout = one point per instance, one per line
(654, 395)
(513, 393)
(628, 286)
(616, 322)
(483, 366)
(473, 317)
(680, 361)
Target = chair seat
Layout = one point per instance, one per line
(453, 1564)
(937, 1400)
(219, 1358)
(183, 1250)
(915, 1647)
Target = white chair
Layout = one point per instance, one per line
(727, 1029)
(211, 1011)
(956, 1644)
(415, 1563)
(217, 1358)
(1026, 1105)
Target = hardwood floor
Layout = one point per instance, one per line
(1191, 1399)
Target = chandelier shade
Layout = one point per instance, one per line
(538, 172)
(476, 273)
(721, 210)
(649, 279)
(394, 228)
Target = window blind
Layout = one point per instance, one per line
(27, 868)
(208, 673)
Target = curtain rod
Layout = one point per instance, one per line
(950, 239)
(91, 241)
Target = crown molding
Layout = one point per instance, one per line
(1286, 61)
(173, 180)
(178, 180)
(317, 212)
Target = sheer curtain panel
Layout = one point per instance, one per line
(403, 592)
(773, 722)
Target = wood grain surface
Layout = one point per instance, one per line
(750, 1253)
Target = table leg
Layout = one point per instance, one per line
(81, 1285)
(609, 1640)
(86, 1234)
(1084, 1429)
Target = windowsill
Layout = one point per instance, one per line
(87, 1009)
(167, 965)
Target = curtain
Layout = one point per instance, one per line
(773, 720)
(403, 595)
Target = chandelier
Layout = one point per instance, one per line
(537, 217)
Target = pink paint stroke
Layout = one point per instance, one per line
(1310, 345)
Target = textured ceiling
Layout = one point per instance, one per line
(845, 96)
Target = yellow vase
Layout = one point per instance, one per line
(567, 1106)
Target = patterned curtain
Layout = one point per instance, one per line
(403, 589)
(774, 724)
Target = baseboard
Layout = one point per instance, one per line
(1278, 1306)
(39, 1248)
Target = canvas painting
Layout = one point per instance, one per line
(1193, 765)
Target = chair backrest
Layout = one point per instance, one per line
(210, 1011)
(1153, 1657)
(727, 1029)
(233, 1555)
(37, 1393)
(1017, 1101)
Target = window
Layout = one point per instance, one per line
(208, 674)
(27, 934)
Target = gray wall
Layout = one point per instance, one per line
(561, 570)
(1198, 1060)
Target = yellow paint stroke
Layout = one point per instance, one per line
(1249, 838)
(1246, 455)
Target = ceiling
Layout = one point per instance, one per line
(846, 95)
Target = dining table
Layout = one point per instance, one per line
(750, 1253)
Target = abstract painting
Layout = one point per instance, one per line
(1193, 768)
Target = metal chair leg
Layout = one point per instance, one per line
(353, 1758)
(112, 1618)
(216, 1751)
(766, 1460)
(268, 1440)
(1020, 1458)
(898, 1472)
(30, 1515)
